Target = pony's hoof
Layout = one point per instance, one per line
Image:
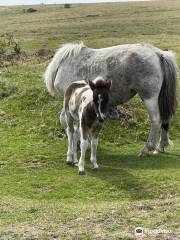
(142, 154)
(159, 150)
(171, 144)
(156, 152)
(82, 173)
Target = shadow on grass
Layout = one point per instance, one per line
(140, 178)
(115, 159)
(122, 176)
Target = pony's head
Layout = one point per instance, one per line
(100, 90)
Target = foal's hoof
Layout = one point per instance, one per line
(69, 163)
(95, 169)
(82, 173)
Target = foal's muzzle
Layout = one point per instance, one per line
(101, 117)
(101, 120)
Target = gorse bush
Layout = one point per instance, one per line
(10, 50)
(2, 46)
(8, 44)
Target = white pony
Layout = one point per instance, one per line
(133, 69)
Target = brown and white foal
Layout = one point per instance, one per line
(85, 105)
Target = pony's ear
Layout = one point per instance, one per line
(108, 84)
(92, 85)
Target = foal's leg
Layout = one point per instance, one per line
(154, 115)
(83, 146)
(70, 131)
(75, 140)
(94, 144)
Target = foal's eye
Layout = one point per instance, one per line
(95, 99)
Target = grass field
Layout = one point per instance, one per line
(40, 196)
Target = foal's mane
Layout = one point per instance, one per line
(100, 84)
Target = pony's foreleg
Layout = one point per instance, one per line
(83, 146)
(154, 115)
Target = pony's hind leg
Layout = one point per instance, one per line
(164, 141)
(154, 115)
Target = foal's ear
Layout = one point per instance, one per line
(92, 85)
(108, 84)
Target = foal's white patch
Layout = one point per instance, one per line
(88, 94)
(86, 97)
(99, 106)
(81, 82)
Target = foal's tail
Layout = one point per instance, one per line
(168, 95)
(66, 51)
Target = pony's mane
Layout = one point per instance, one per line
(69, 50)
(66, 51)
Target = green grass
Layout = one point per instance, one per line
(41, 197)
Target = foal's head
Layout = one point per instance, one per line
(100, 90)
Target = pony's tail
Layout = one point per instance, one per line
(168, 94)
(66, 51)
(50, 74)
